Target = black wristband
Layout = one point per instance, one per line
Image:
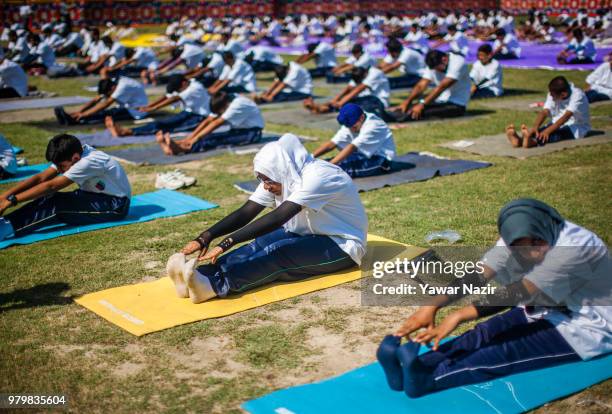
(203, 239)
(12, 199)
(226, 244)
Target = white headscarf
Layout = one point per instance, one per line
(283, 161)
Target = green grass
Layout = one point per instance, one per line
(50, 344)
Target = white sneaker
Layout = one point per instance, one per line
(181, 176)
(199, 286)
(168, 182)
(174, 269)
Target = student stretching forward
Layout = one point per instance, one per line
(318, 226)
(541, 259)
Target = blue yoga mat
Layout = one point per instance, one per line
(36, 103)
(365, 390)
(25, 172)
(144, 207)
(17, 150)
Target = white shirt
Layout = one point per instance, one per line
(264, 54)
(243, 113)
(510, 45)
(144, 57)
(298, 79)
(364, 61)
(46, 55)
(458, 42)
(418, 41)
(488, 76)
(412, 62)
(116, 52)
(586, 48)
(575, 272)
(232, 46)
(20, 45)
(8, 159)
(195, 98)
(216, 64)
(13, 76)
(578, 104)
(96, 50)
(192, 55)
(97, 172)
(240, 74)
(377, 84)
(600, 79)
(374, 138)
(459, 92)
(325, 55)
(74, 38)
(331, 207)
(130, 94)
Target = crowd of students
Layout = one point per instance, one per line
(318, 224)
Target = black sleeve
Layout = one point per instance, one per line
(505, 297)
(270, 222)
(230, 223)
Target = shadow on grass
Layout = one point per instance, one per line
(519, 92)
(47, 294)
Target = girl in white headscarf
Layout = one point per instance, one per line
(318, 226)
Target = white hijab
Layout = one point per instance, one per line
(283, 161)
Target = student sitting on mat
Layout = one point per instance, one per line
(600, 82)
(368, 88)
(235, 120)
(556, 282)
(456, 40)
(409, 61)
(103, 195)
(237, 76)
(43, 60)
(364, 141)
(567, 106)
(262, 58)
(13, 80)
(324, 55)
(17, 49)
(449, 74)
(416, 39)
(292, 83)
(8, 159)
(135, 61)
(358, 59)
(581, 49)
(193, 97)
(127, 93)
(506, 46)
(486, 74)
(188, 55)
(318, 226)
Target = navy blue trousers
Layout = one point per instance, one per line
(181, 122)
(594, 96)
(407, 80)
(232, 137)
(74, 208)
(358, 165)
(320, 72)
(504, 345)
(482, 93)
(277, 256)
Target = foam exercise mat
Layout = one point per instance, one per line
(302, 118)
(499, 145)
(25, 172)
(105, 139)
(408, 168)
(153, 155)
(152, 306)
(144, 207)
(16, 105)
(365, 391)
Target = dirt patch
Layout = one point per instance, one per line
(127, 369)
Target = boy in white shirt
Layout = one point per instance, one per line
(600, 82)
(13, 80)
(237, 76)
(364, 141)
(128, 95)
(506, 45)
(190, 94)
(457, 41)
(449, 74)
(409, 61)
(324, 55)
(368, 88)
(8, 159)
(134, 62)
(189, 55)
(293, 83)
(359, 58)
(567, 106)
(486, 74)
(262, 58)
(580, 50)
(234, 120)
(104, 190)
(417, 39)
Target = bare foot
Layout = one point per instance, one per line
(163, 143)
(528, 140)
(144, 77)
(173, 147)
(309, 103)
(513, 137)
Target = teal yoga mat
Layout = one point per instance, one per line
(365, 391)
(144, 207)
(25, 172)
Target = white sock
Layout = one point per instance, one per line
(199, 286)
(6, 229)
(174, 269)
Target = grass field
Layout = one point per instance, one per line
(50, 344)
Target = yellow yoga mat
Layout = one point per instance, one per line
(153, 306)
(157, 40)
